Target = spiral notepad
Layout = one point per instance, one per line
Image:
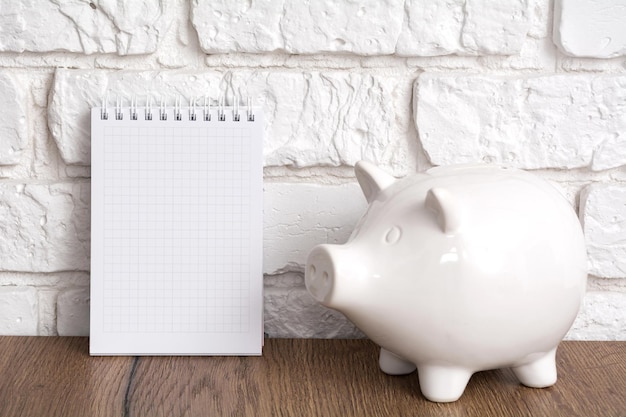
(176, 230)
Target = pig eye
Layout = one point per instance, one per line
(393, 235)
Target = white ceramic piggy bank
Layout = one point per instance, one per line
(458, 270)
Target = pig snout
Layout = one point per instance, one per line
(319, 275)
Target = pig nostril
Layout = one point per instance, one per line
(320, 273)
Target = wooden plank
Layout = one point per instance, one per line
(55, 376)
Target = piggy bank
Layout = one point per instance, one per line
(458, 270)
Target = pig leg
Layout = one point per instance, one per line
(392, 364)
(539, 372)
(442, 383)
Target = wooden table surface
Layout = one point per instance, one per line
(55, 376)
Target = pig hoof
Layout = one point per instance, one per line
(392, 364)
(540, 372)
(442, 384)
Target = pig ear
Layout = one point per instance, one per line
(371, 179)
(441, 202)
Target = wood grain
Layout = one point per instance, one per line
(55, 376)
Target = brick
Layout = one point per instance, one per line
(298, 217)
(475, 27)
(18, 311)
(575, 64)
(47, 310)
(312, 118)
(102, 26)
(367, 28)
(561, 121)
(13, 125)
(45, 227)
(407, 28)
(73, 312)
(540, 17)
(292, 312)
(601, 317)
(592, 29)
(603, 215)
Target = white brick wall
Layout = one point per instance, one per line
(371, 27)
(19, 310)
(13, 120)
(299, 216)
(556, 121)
(591, 28)
(45, 227)
(104, 26)
(603, 215)
(361, 125)
(535, 84)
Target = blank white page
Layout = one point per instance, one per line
(176, 234)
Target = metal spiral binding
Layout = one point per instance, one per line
(178, 109)
(249, 112)
(118, 109)
(192, 109)
(162, 111)
(177, 106)
(220, 110)
(133, 108)
(103, 109)
(148, 111)
(207, 109)
(236, 115)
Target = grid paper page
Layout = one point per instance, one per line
(176, 235)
